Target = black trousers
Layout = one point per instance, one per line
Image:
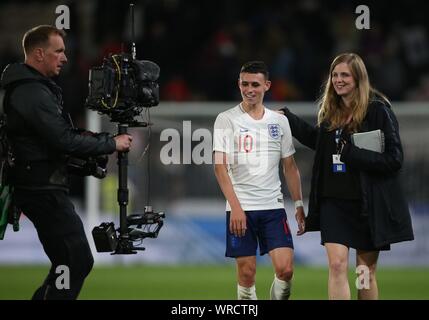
(62, 235)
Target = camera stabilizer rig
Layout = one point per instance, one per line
(122, 88)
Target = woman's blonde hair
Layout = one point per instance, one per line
(332, 108)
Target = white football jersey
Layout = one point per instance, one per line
(254, 149)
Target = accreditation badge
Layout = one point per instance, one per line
(337, 165)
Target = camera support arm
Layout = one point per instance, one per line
(105, 237)
(126, 234)
(123, 193)
(125, 245)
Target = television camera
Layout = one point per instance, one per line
(122, 87)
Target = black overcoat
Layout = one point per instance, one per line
(383, 200)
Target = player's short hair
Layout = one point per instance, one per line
(39, 36)
(255, 67)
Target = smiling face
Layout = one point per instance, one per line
(253, 87)
(53, 56)
(342, 80)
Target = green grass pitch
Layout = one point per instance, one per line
(205, 282)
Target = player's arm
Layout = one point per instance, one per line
(237, 224)
(293, 180)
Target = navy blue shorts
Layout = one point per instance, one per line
(269, 228)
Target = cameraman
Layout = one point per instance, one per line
(42, 138)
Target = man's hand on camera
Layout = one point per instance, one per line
(123, 142)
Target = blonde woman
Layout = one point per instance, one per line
(356, 199)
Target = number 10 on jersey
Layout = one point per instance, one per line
(245, 143)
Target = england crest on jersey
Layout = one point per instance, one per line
(274, 130)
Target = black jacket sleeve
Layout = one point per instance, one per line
(384, 163)
(37, 106)
(301, 130)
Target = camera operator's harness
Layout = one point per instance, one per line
(9, 213)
